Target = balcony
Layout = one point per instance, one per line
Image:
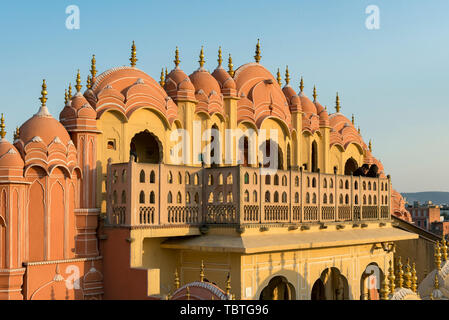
(147, 195)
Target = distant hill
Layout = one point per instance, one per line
(436, 197)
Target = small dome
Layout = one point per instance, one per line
(307, 105)
(178, 85)
(43, 125)
(9, 156)
(224, 78)
(203, 80)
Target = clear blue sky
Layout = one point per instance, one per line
(395, 79)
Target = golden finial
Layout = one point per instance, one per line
(444, 249)
(314, 94)
(44, 93)
(414, 278)
(408, 275)
(166, 73)
(257, 56)
(17, 134)
(2, 127)
(162, 82)
(188, 293)
(228, 284)
(66, 97)
(201, 61)
(202, 272)
(177, 282)
(400, 280)
(370, 146)
(337, 103)
(358, 130)
(436, 284)
(93, 68)
(353, 119)
(133, 58)
(287, 76)
(230, 66)
(278, 78)
(176, 61)
(391, 277)
(301, 85)
(384, 291)
(220, 59)
(437, 256)
(70, 91)
(89, 85)
(78, 82)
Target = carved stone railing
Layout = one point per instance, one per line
(156, 194)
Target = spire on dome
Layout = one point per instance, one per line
(353, 119)
(337, 103)
(133, 58)
(162, 82)
(78, 82)
(176, 61)
(70, 90)
(228, 284)
(201, 61)
(17, 134)
(437, 256)
(230, 66)
(177, 282)
(166, 73)
(2, 127)
(370, 146)
(220, 59)
(257, 56)
(287, 76)
(400, 274)
(202, 274)
(358, 130)
(66, 97)
(301, 85)
(314, 94)
(93, 68)
(278, 78)
(391, 277)
(89, 82)
(414, 278)
(43, 111)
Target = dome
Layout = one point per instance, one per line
(9, 156)
(260, 87)
(43, 125)
(224, 78)
(120, 79)
(307, 105)
(178, 85)
(203, 80)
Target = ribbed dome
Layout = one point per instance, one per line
(43, 125)
(9, 156)
(307, 105)
(203, 80)
(224, 78)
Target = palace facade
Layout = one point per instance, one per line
(93, 205)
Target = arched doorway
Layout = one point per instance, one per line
(370, 282)
(278, 289)
(146, 147)
(314, 157)
(215, 145)
(350, 166)
(331, 285)
(244, 143)
(265, 148)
